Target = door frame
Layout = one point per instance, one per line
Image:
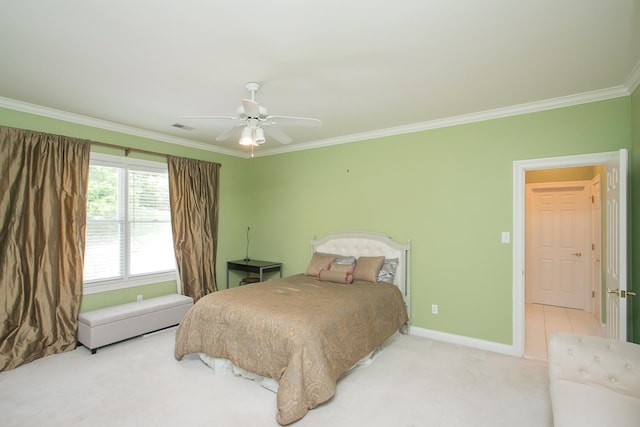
(596, 231)
(519, 193)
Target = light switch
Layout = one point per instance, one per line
(506, 237)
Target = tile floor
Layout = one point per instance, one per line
(543, 320)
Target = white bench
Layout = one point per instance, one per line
(594, 381)
(105, 326)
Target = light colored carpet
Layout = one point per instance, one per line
(413, 382)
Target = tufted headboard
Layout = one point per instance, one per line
(364, 243)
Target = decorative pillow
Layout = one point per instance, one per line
(367, 268)
(343, 263)
(335, 276)
(388, 271)
(319, 261)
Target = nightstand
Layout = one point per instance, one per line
(253, 266)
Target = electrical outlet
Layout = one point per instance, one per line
(139, 298)
(434, 308)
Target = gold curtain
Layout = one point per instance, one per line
(43, 187)
(193, 195)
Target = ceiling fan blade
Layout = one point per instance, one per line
(251, 108)
(299, 121)
(227, 133)
(210, 117)
(282, 137)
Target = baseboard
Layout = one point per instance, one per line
(462, 340)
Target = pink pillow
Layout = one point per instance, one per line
(335, 276)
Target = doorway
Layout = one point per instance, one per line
(558, 237)
(560, 254)
(616, 235)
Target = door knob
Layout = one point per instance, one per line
(622, 294)
(578, 254)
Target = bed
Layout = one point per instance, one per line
(307, 330)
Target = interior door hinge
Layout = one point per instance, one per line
(593, 294)
(593, 246)
(593, 199)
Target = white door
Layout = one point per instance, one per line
(616, 247)
(596, 237)
(560, 244)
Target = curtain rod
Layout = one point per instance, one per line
(127, 150)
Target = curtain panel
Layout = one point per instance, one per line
(193, 196)
(43, 189)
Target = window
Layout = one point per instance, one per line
(128, 234)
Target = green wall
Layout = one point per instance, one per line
(447, 190)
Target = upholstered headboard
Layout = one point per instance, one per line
(364, 243)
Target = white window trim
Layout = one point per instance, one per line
(119, 161)
(136, 280)
(131, 282)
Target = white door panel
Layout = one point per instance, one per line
(616, 247)
(559, 233)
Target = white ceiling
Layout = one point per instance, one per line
(365, 68)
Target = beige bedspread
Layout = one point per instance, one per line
(298, 330)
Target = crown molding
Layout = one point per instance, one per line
(532, 107)
(79, 119)
(634, 79)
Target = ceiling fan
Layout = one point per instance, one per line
(256, 121)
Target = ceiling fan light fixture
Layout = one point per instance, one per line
(246, 138)
(258, 136)
(254, 118)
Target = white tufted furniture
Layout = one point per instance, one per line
(594, 381)
(105, 326)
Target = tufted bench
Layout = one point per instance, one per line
(594, 381)
(98, 328)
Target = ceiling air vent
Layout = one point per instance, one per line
(181, 126)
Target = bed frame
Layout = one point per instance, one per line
(364, 243)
